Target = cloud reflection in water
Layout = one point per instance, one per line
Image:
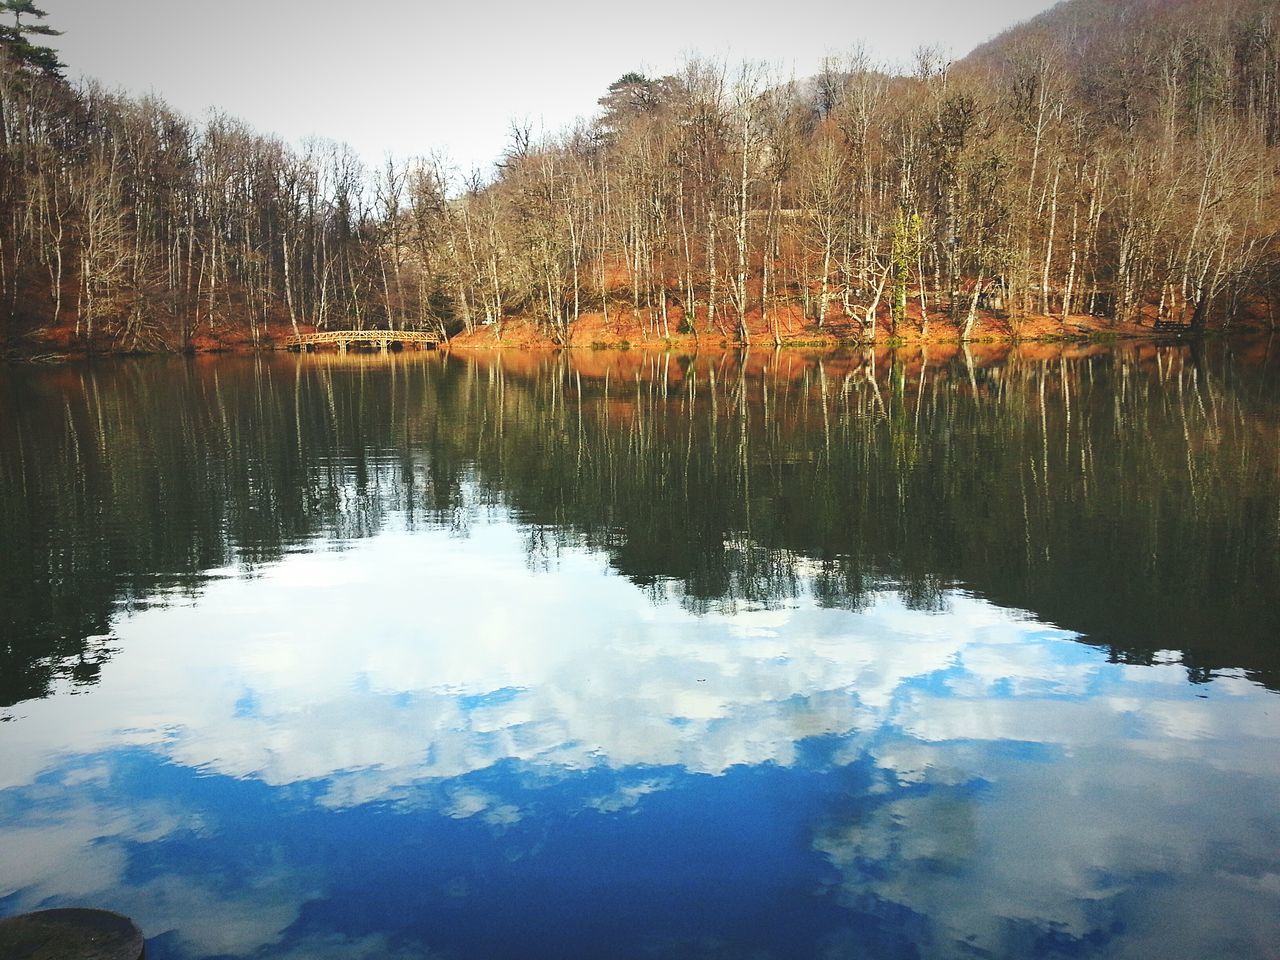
(256, 763)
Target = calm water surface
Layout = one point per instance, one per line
(644, 656)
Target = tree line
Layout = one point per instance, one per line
(1112, 159)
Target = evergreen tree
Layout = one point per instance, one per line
(15, 36)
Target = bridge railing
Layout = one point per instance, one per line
(382, 338)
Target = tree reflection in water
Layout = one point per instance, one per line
(1129, 495)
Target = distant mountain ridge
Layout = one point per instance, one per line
(1079, 26)
(1130, 61)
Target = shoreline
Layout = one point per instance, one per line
(523, 335)
(681, 346)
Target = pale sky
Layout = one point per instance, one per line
(408, 77)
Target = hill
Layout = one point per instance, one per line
(1129, 59)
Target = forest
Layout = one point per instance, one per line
(1111, 162)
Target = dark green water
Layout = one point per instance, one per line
(628, 655)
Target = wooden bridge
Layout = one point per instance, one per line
(380, 339)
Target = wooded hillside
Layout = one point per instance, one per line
(1114, 159)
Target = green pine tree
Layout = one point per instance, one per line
(15, 37)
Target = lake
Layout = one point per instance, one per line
(973, 653)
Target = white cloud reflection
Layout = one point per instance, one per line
(470, 660)
(1024, 783)
(72, 848)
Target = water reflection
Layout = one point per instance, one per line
(1128, 495)
(632, 657)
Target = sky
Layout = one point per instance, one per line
(413, 77)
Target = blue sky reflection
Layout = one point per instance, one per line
(520, 760)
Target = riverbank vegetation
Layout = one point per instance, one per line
(1106, 165)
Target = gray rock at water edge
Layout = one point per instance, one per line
(70, 934)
